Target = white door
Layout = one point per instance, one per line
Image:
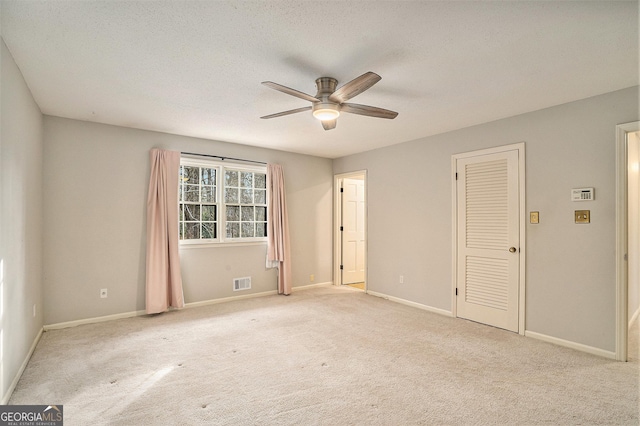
(633, 224)
(353, 231)
(488, 232)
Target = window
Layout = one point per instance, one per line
(221, 203)
(198, 208)
(245, 197)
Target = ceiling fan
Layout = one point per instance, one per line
(329, 102)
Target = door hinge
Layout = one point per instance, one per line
(341, 189)
(342, 228)
(456, 175)
(341, 267)
(456, 291)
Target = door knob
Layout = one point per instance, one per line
(512, 249)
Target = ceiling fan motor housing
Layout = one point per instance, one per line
(325, 107)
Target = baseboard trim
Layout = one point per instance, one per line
(634, 317)
(252, 295)
(410, 303)
(310, 286)
(569, 344)
(105, 318)
(229, 299)
(532, 334)
(16, 379)
(68, 324)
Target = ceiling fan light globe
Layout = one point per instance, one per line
(325, 114)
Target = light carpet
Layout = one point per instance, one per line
(324, 356)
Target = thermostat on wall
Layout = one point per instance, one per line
(582, 194)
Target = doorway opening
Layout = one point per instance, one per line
(627, 239)
(350, 238)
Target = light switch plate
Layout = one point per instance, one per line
(534, 217)
(583, 216)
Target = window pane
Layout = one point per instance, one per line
(208, 176)
(192, 193)
(261, 229)
(260, 180)
(247, 213)
(247, 229)
(208, 230)
(230, 195)
(191, 212)
(191, 175)
(233, 230)
(231, 178)
(261, 214)
(246, 196)
(246, 179)
(181, 213)
(191, 231)
(208, 194)
(208, 213)
(233, 213)
(260, 196)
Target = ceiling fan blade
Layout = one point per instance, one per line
(329, 124)
(355, 87)
(291, 111)
(290, 91)
(368, 111)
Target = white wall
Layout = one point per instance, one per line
(634, 224)
(20, 220)
(570, 276)
(96, 178)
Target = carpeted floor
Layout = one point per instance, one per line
(324, 356)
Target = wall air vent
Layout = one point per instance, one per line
(241, 283)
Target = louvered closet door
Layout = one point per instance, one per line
(488, 239)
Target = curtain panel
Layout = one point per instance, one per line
(163, 279)
(278, 251)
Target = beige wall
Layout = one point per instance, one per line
(570, 269)
(95, 185)
(20, 220)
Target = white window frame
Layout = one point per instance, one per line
(221, 211)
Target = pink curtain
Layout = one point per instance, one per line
(278, 252)
(164, 283)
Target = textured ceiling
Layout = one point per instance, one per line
(194, 68)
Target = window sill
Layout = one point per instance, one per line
(182, 246)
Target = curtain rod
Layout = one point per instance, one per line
(222, 158)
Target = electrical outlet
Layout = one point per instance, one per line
(103, 293)
(34, 310)
(312, 278)
(401, 279)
